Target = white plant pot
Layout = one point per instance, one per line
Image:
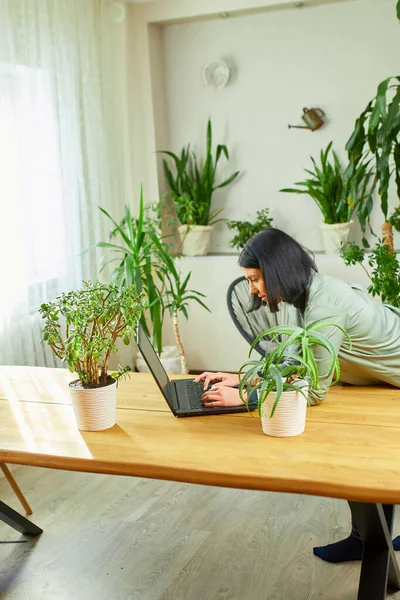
(195, 239)
(170, 360)
(334, 235)
(95, 409)
(290, 415)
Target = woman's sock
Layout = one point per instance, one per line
(349, 549)
(346, 550)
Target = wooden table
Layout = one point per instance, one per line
(350, 450)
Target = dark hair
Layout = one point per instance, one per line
(285, 265)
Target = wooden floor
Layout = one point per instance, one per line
(119, 538)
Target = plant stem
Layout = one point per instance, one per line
(184, 367)
(387, 234)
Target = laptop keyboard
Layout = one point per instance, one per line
(194, 394)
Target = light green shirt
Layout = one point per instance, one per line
(374, 329)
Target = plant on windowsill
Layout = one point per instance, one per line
(284, 377)
(339, 193)
(192, 185)
(82, 328)
(246, 229)
(385, 274)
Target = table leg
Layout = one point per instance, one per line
(17, 521)
(379, 566)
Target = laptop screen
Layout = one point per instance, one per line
(154, 364)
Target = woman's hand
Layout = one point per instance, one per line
(226, 379)
(221, 395)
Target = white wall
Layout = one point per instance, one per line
(331, 56)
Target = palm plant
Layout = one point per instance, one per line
(177, 299)
(289, 363)
(145, 260)
(338, 192)
(134, 245)
(194, 182)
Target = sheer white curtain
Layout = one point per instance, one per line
(60, 157)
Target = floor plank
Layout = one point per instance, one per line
(121, 538)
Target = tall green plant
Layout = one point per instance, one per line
(376, 134)
(279, 370)
(134, 246)
(177, 297)
(194, 181)
(338, 192)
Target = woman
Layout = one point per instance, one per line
(279, 270)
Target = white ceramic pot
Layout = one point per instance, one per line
(170, 360)
(95, 409)
(195, 239)
(290, 415)
(334, 235)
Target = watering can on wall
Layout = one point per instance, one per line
(312, 118)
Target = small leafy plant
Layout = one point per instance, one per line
(385, 275)
(194, 181)
(246, 229)
(290, 363)
(83, 326)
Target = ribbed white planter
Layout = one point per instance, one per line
(195, 239)
(334, 235)
(170, 360)
(95, 409)
(290, 415)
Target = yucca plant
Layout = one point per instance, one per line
(134, 245)
(290, 362)
(177, 297)
(338, 192)
(194, 181)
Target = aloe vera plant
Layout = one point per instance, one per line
(194, 181)
(290, 361)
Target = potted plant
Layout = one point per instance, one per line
(192, 187)
(143, 257)
(82, 328)
(246, 229)
(133, 246)
(177, 299)
(338, 194)
(385, 274)
(284, 377)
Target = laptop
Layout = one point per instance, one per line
(183, 396)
